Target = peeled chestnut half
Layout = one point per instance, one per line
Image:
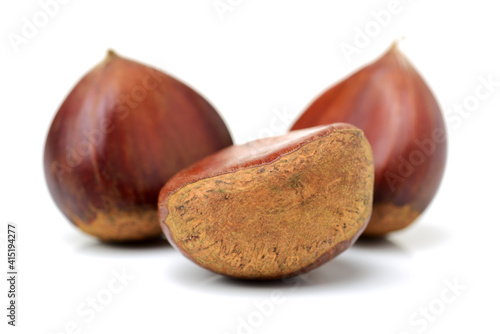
(401, 118)
(272, 208)
(122, 132)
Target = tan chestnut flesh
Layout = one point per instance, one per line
(399, 115)
(272, 208)
(122, 132)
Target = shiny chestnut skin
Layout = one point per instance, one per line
(273, 208)
(121, 133)
(402, 120)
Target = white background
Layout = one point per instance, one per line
(261, 57)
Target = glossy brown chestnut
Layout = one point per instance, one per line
(122, 132)
(272, 208)
(400, 117)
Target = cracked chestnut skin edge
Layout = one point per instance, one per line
(273, 208)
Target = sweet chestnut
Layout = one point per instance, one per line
(402, 120)
(122, 132)
(272, 208)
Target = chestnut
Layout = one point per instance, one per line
(272, 208)
(402, 120)
(121, 133)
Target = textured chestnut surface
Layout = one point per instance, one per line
(122, 132)
(400, 117)
(272, 208)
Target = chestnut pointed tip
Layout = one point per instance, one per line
(393, 50)
(395, 45)
(395, 56)
(111, 54)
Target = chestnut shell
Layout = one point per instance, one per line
(402, 120)
(121, 133)
(272, 208)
